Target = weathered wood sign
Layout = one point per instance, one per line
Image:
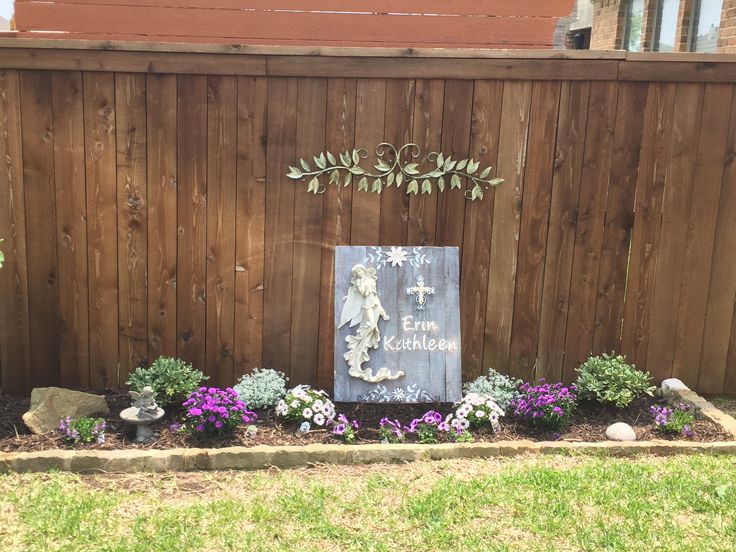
(397, 324)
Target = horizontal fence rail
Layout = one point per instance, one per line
(146, 211)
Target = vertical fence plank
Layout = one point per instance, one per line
(645, 236)
(188, 166)
(429, 100)
(130, 107)
(729, 385)
(339, 136)
(310, 141)
(15, 353)
(484, 143)
(568, 166)
(675, 212)
(369, 129)
(249, 220)
(590, 225)
(71, 226)
(719, 313)
(397, 131)
(456, 121)
(701, 232)
(99, 131)
(162, 205)
(538, 179)
(506, 219)
(619, 217)
(40, 215)
(281, 152)
(222, 104)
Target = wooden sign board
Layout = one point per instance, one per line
(397, 324)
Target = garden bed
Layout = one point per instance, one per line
(588, 424)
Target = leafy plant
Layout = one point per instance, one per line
(428, 427)
(502, 389)
(172, 379)
(474, 411)
(677, 420)
(304, 404)
(345, 429)
(609, 379)
(213, 411)
(391, 431)
(547, 405)
(262, 389)
(83, 430)
(345, 169)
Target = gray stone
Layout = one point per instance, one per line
(620, 432)
(672, 384)
(49, 405)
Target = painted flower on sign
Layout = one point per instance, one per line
(397, 256)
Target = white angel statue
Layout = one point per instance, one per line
(362, 308)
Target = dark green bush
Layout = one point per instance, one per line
(172, 380)
(609, 379)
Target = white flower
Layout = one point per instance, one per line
(397, 256)
(479, 413)
(317, 406)
(319, 419)
(307, 413)
(282, 409)
(294, 404)
(307, 399)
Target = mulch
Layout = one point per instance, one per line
(588, 424)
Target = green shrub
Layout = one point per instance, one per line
(609, 379)
(172, 380)
(261, 389)
(502, 389)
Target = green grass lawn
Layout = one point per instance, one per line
(530, 503)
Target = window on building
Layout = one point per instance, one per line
(633, 25)
(665, 29)
(705, 21)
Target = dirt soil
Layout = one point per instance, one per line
(588, 424)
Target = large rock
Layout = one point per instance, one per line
(620, 432)
(50, 404)
(671, 385)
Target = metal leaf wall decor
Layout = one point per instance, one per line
(344, 169)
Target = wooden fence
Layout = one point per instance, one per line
(146, 210)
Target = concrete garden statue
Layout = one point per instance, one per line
(143, 413)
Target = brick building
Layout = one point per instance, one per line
(663, 25)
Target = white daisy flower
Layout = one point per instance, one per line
(307, 413)
(294, 404)
(397, 256)
(479, 413)
(319, 419)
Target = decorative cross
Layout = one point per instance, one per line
(421, 291)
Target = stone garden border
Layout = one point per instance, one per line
(262, 456)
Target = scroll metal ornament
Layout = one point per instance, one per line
(346, 170)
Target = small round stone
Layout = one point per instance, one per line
(620, 432)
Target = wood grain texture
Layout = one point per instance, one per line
(484, 144)
(514, 131)
(130, 107)
(369, 132)
(161, 120)
(719, 314)
(189, 171)
(71, 226)
(281, 151)
(645, 237)
(614, 262)
(556, 288)
(456, 121)
(250, 220)
(680, 164)
(429, 99)
(222, 106)
(307, 232)
(40, 216)
(590, 226)
(701, 232)
(102, 259)
(538, 180)
(336, 218)
(393, 229)
(15, 347)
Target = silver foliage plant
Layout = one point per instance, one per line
(261, 389)
(502, 389)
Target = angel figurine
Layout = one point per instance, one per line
(145, 403)
(363, 308)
